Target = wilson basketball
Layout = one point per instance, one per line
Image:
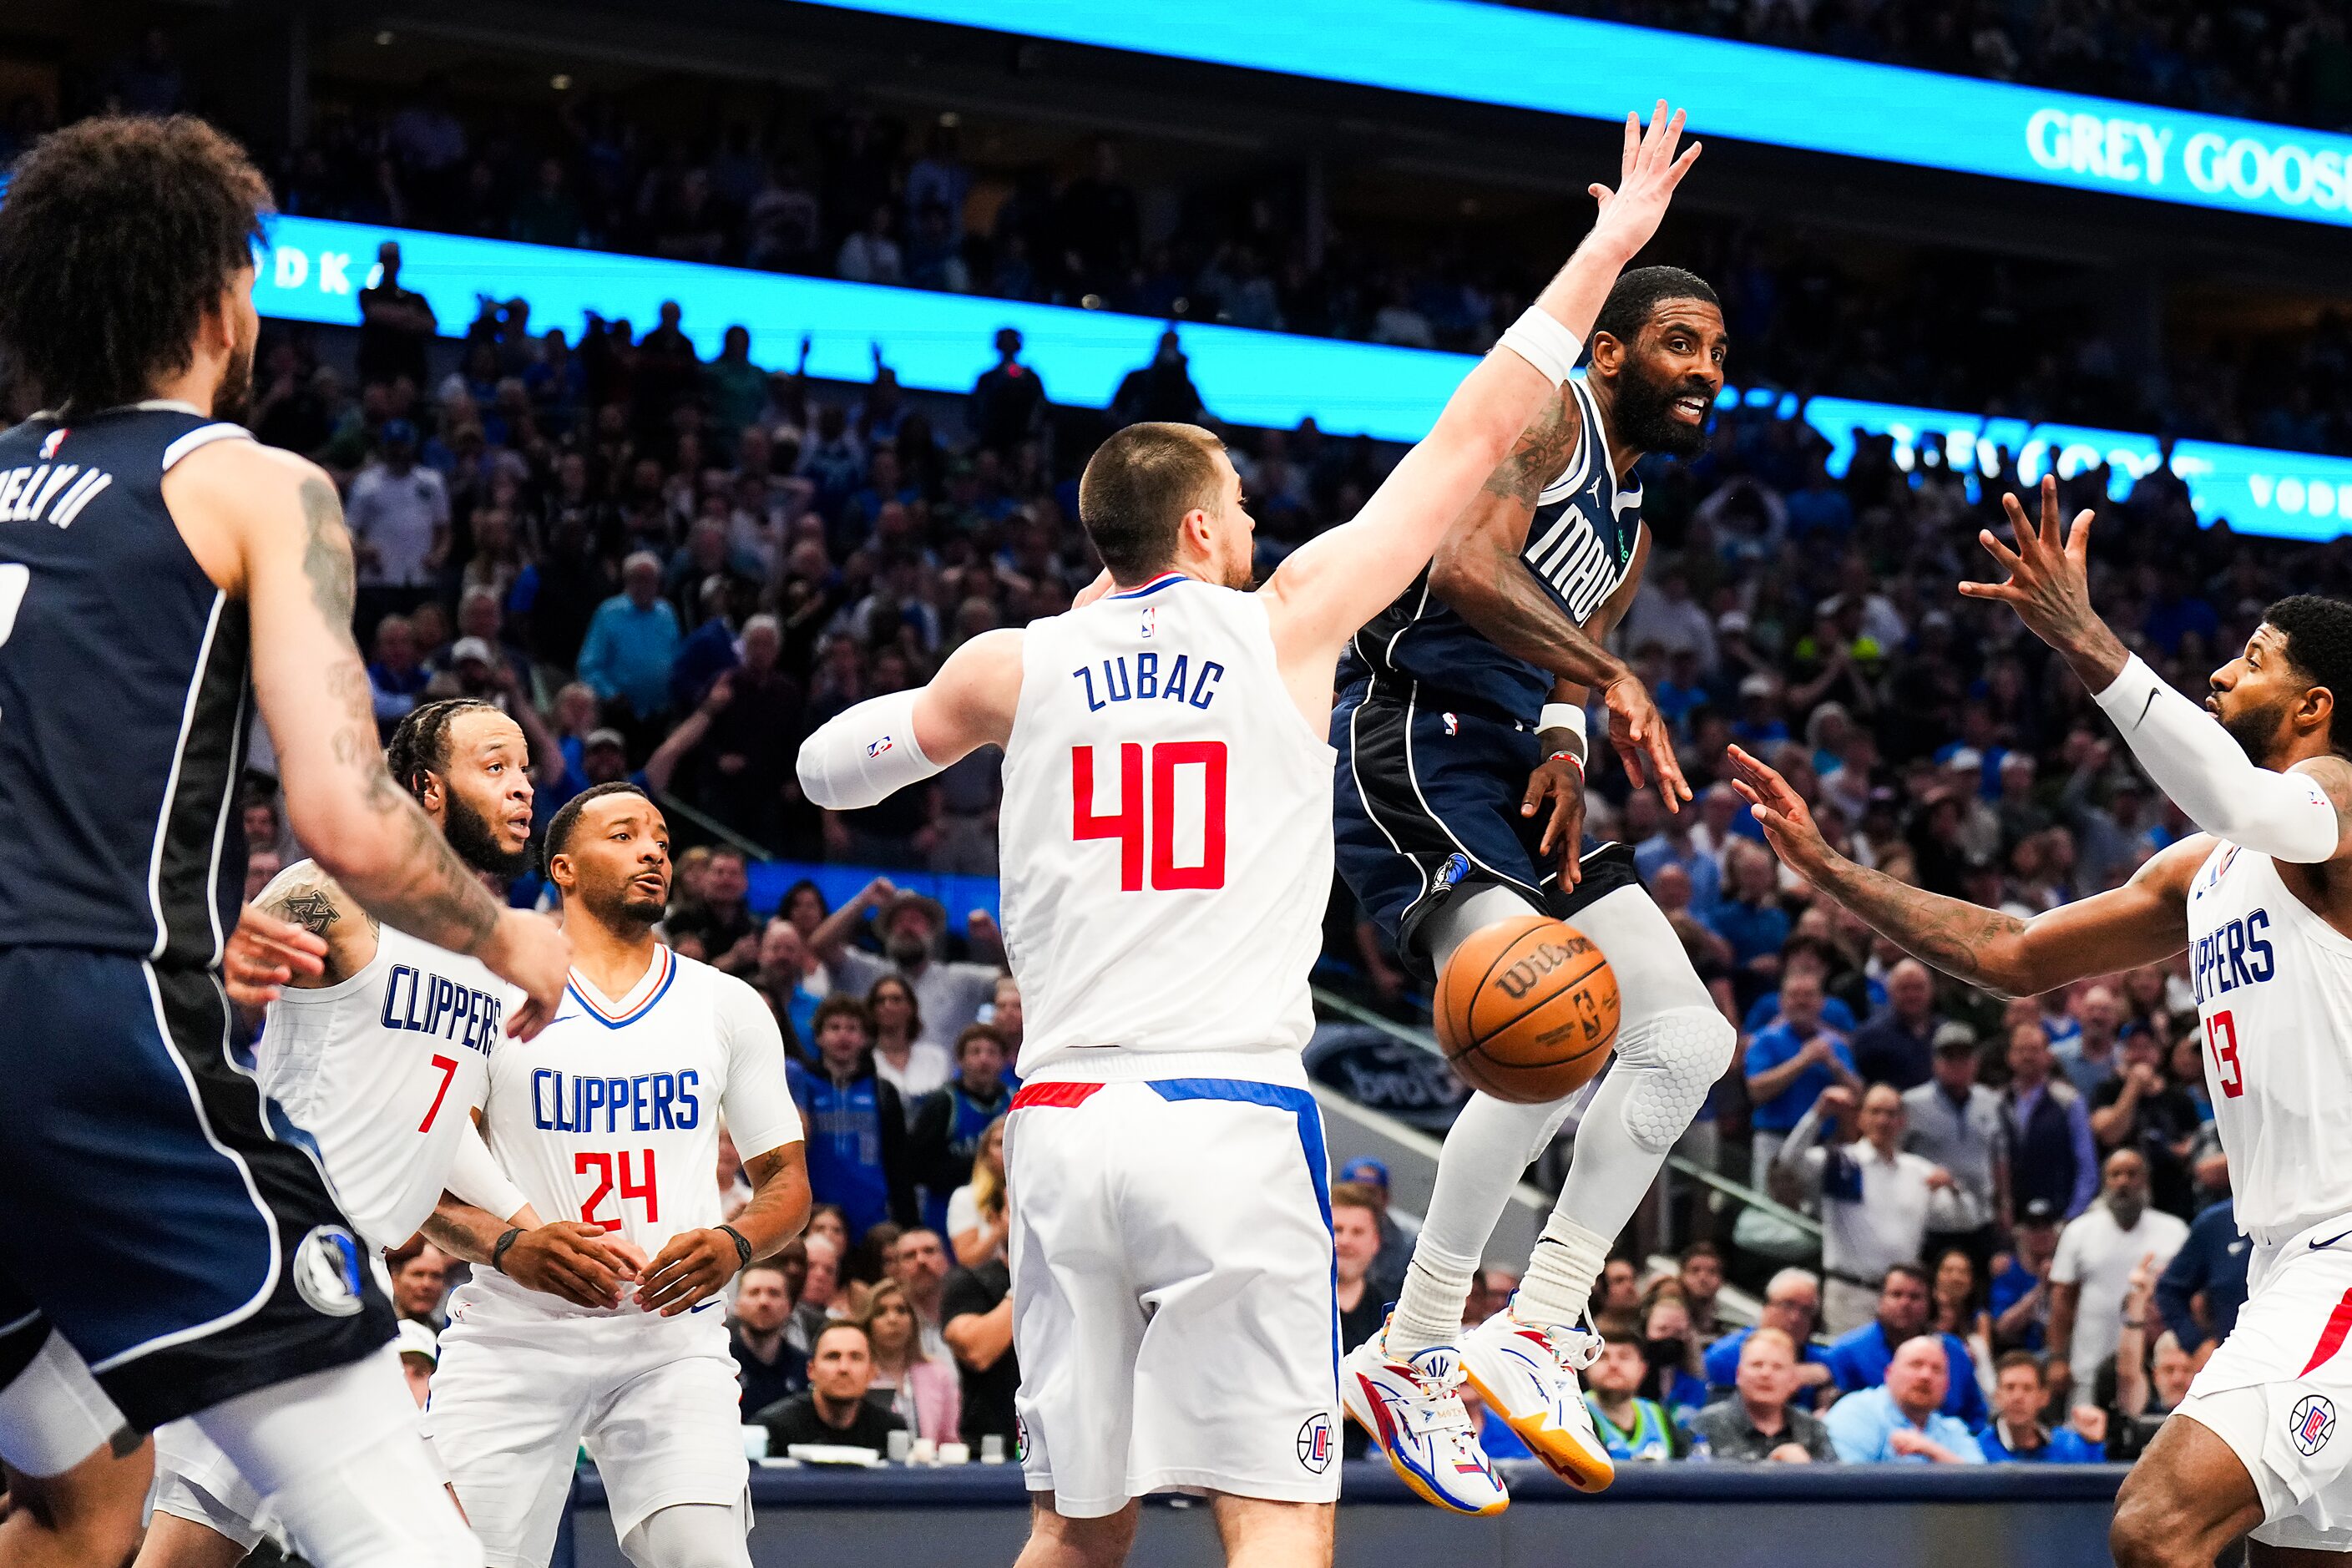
(1527, 1010)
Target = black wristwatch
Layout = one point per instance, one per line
(499, 1249)
(742, 1247)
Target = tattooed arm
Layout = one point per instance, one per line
(267, 528)
(304, 895)
(2144, 922)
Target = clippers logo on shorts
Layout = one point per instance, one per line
(1019, 1441)
(1315, 1443)
(326, 1270)
(2311, 1424)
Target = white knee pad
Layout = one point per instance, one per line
(53, 1414)
(1671, 1060)
(689, 1536)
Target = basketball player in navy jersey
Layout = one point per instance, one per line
(1460, 805)
(168, 1233)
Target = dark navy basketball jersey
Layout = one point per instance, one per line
(123, 693)
(1580, 548)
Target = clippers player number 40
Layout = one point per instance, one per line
(1183, 826)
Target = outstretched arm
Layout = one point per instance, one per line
(1333, 584)
(2303, 815)
(872, 751)
(2143, 921)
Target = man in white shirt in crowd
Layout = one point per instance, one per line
(399, 517)
(949, 996)
(2096, 1254)
(1875, 1196)
(1954, 1121)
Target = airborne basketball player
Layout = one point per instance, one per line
(1474, 680)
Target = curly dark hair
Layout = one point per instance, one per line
(117, 236)
(1637, 295)
(420, 744)
(2319, 645)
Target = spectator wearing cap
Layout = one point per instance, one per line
(949, 996)
(632, 640)
(1790, 1065)
(2015, 1435)
(1953, 1123)
(769, 1369)
(1759, 1420)
(1903, 1417)
(1875, 1196)
(398, 513)
(420, 1352)
(1792, 1304)
(1387, 1270)
(2200, 1291)
(2046, 1128)
(1897, 1047)
(834, 1410)
(1860, 1359)
(2019, 1297)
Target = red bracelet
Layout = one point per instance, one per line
(1567, 757)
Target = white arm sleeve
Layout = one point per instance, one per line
(757, 1098)
(2195, 764)
(475, 1176)
(864, 754)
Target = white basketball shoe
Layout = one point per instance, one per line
(1413, 1410)
(1527, 1376)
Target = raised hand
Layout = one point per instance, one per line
(1788, 822)
(2049, 585)
(264, 952)
(1648, 174)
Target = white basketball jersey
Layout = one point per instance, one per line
(383, 1070)
(610, 1114)
(1166, 839)
(2274, 985)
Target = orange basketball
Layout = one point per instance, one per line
(1527, 1010)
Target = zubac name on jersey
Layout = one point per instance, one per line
(652, 1101)
(419, 1000)
(1147, 681)
(2232, 955)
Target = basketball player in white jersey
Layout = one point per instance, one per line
(610, 1116)
(2262, 900)
(379, 1050)
(1167, 845)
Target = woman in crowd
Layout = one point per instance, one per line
(976, 1222)
(924, 1393)
(1674, 1377)
(904, 1060)
(1956, 1306)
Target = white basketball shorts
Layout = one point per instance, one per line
(517, 1394)
(2274, 1388)
(1171, 1291)
(194, 1480)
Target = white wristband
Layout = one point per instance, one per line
(1538, 338)
(1565, 716)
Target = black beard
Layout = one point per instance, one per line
(233, 399)
(475, 842)
(2254, 728)
(625, 909)
(1642, 414)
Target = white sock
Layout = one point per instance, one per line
(1558, 1287)
(1429, 1309)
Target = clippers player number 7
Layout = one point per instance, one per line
(1167, 840)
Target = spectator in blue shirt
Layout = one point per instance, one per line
(1750, 918)
(1902, 1419)
(1792, 1304)
(2015, 1435)
(2212, 1264)
(856, 1125)
(1790, 1064)
(1860, 1359)
(2020, 1296)
(633, 639)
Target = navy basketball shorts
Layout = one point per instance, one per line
(162, 1213)
(1427, 803)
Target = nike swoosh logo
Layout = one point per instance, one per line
(2143, 719)
(2324, 1246)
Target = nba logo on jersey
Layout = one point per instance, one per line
(50, 444)
(2312, 1423)
(1315, 1443)
(876, 748)
(1453, 724)
(1150, 620)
